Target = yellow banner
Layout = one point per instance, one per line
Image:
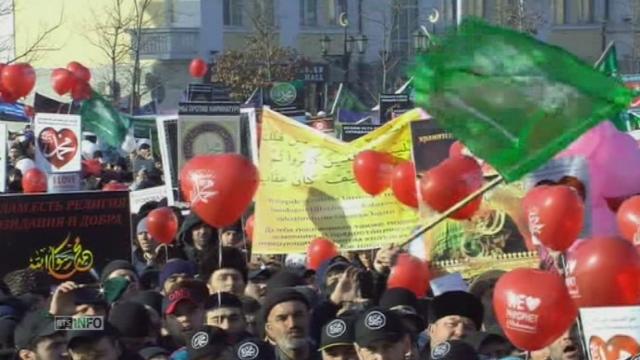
(308, 189)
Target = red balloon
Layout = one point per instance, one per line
(410, 273)
(249, 225)
(621, 347)
(163, 225)
(320, 250)
(62, 81)
(629, 219)
(604, 271)
(34, 181)
(219, 187)
(450, 182)
(372, 170)
(198, 68)
(79, 71)
(18, 79)
(533, 307)
(81, 91)
(556, 215)
(115, 186)
(91, 167)
(456, 149)
(8, 97)
(403, 184)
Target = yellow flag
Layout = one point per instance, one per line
(308, 188)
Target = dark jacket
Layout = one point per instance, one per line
(185, 239)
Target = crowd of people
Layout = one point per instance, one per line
(206, 297)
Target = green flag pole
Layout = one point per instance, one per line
(442, 216)
(604, 55)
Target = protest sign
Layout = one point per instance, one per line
(350, 132)
(308, 189)
(611, 332)
(68, 236)
(208, 128)
(249, 119)
(286, 98)
(491, 239)
(63, 182)
(3, 157)
(58, 142)
(141, 197)
(168, 135)
(145, 128)
(391, 104)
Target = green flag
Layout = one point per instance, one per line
(346, 100)
(608, 62)
(512, 100)
(99, 117)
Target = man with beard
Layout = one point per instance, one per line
(454, 315)
(183, 310)
(286, 324)
(224, 310)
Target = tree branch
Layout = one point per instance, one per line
(38, 46)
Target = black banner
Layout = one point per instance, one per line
(286, 98)
(392, 105)
(430, 144)
(209, 108)
(65, 235)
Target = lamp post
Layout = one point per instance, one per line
(422, 36)
(360, 42)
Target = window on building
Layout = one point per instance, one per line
(308, 12)
(232, 10)
(266, 10)
(474, 8)
(334, 9)
(572, 12)
(404, 24)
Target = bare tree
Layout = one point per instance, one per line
(515, 14)
(141, 19)
(383, 17)
(109, 35)
(36, 46)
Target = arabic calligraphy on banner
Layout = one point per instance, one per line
(67, 235)
(308, 188)
(62, 261)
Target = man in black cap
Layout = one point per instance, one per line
(251, 310)
(380, 335)
(208, 343)
(453, 350)
(405, 303)
(95, 344)
(224, 310)
(253, 349)
(36, 337)
(453, 316)
(226, 272)
(174, 271)
(286, 324)
(338, 336)
(133, 323)
(257, 285)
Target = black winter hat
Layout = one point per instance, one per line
(458, 303)
(453, 350)
(231, 258)
(279, 296)
(131, 319)
(116, 265)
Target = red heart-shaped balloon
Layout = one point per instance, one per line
(403, 184)
(556, 215)
(79, 71)
(34, 180)
(372, 170)
(533, 307)
(62, 81)
(219, 187)
(597, 348)
(628, 217)
(451, 181)
(58, 147)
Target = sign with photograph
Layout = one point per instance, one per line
(350, 132)
(57, 140)
(392, 105)
(611, 332)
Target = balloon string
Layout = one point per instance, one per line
(562, 263)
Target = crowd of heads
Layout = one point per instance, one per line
(206, 297)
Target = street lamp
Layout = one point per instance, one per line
(360, 42)
(420, 39)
